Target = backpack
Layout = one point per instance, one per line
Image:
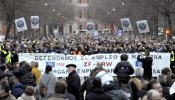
(127, 88)
(117, 95)
(114, 90)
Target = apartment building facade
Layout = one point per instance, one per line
(82, 16)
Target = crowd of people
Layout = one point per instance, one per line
(84, 44)
(24, 81)
(87, 44)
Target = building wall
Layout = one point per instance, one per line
(81, 18)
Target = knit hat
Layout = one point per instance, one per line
(105, 78)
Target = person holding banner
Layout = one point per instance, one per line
(146, 65)
(77, 51)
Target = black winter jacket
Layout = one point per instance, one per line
(123, 70)
(25, 75)
(97, 94)
(73, 82)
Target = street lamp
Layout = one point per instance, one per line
(113, 9)
(123, 3)
(53, 10)
(46, 4)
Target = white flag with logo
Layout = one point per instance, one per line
(96, 35)
(20, 24)
(143, 26)
(126, 24)
(90, 26)
(34, 22)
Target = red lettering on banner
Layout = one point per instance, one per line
(106, 63)
(60, 64)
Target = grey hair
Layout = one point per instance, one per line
(139, 71)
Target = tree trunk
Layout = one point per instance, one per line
(168, 25)
(8, 27)
(156, 26)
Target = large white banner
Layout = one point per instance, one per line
(126, 24)
(21, 24)
(143, 26)
(34, 22)
(86, 63)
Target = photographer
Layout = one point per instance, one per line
(146, 65)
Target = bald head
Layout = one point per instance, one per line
(153, 95)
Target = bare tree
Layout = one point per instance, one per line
(11, 9)
(110, 11)
(8, 8)
(165, 8)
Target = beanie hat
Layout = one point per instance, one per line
(104, 77)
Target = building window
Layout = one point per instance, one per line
(80, 27)
(70, 28)
(80, 14)
(80, 1)
(88, 15)
(96, 27)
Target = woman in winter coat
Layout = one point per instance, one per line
(28, 94)
(49, 80)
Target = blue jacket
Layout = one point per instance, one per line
(18, 89)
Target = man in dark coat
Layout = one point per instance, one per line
(73, 81)
(24, 73)
(98, 92)
(146, 65)
(124, 69)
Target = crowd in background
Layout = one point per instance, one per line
(88, 44)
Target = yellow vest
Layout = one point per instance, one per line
(3, 51)
(172, 58)
(8, 58)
